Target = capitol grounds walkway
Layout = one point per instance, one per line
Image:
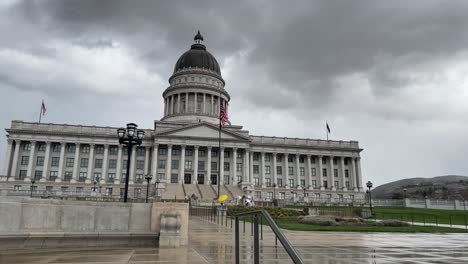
(213, 243)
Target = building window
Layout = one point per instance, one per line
(255, 169)
(40, 161)
(41, 147)
(188, 152)
(139, 178)
(214, 165)
(268, 182)
(140, 164)
(255, 156)
(112, 164)
(335, 172)
(97, 176)
(124, 164)
(314, 183)
(161, 164)
(267, 157)
(290, 171)
(290, 158)
(37, 175)
(201, 165)
(226, 166)
(175, 164)
(201, 153)
(71, 148)
(335, 161)
(140, 152)
(214, 153)
(324, 160)
(83, 176)
(258, 195)
(302, 171)
(162, 151)
(267, 170)
(99, 149)
(55, 147)
(109, 191)
(301, 159)
(176, 152)
(302, 182)
(279, 182)
(347, 184)
(24, 160)
(110, 177)
(22, 174)
(174, 178)
(314, 172)
(291, 183)
(113, 150)
(312, 159)
(68, 176)
(84, 162)
(279, 170)
(98, 163)
(256, 181)
(27, 146)
(53, 175)
(325, 184)
(279, 158)
(337, 184)
(239, 155)
(69, 162)
(85, 149)
(324, 172)
(346, 173)
(227, 154)
(282, 195)
(345, 161)
(55, 162)
(238, 167)
(188, 164)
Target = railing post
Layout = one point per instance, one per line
(237, 241)
(256, 241)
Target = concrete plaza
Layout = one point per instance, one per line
(211, 243)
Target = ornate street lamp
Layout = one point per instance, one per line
(148, 179)
(129, 137)
(32, 186)
(369, 186)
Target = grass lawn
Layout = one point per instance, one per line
(422, 215)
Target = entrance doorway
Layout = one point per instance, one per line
(214, 179)
(188, 178)
(201, 179)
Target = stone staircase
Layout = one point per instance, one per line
(207, 192)
(173, 191)
(191, 189)
(235, 190)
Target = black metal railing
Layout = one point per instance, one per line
(257, 216)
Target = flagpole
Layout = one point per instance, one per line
(219, 154)
(40, 111)
(326, 128)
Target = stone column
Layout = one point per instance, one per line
(61, 162)
(195, 103)
(212, 105)
(146, 168)
(195, 165)
(45, 167)
(353, 174)
(118, 173)
(332, 175)
(104, 164)
(154, 167)
(308, 173)
(14, 165)
(234, 167)
(76, 163)
(298, 170)
(178, 103)
(132, 167)
(251, 180)
(32, 154)
(262, 169)
(6, 169)
(182, 163)
(343, 178)
(221, 166)
(168, 163)
(90, 176)
(286, 170)
(208, 166)
(245, 173)
(359, 178)
(204, 103)
(273, 172)
(320, 172)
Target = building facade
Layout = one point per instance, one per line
(181, 151)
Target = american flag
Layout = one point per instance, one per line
(223, 116)
(43, 108)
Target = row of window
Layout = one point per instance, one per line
(71, 148)
(108, 190)
(282, 195)
(302, 183)
(200, 79)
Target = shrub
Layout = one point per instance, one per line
(318, 220)
(390, 223)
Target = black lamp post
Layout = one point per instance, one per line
(369, 186)
(32, 186)
(148, 179)
(129, 137)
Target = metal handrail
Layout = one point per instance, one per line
(279, 235)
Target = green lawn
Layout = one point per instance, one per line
(422, 215)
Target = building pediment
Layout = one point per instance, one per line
(203, 130)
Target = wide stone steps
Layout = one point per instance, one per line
(207, 192)
(235, 190)
(191, 189)
(173, 191)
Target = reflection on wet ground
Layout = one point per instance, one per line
(211, 243)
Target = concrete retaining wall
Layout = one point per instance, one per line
(29, 222)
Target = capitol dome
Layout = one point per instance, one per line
(197, 57)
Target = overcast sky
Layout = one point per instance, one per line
(391, 74)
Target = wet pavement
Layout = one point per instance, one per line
(211, 243)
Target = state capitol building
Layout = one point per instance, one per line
(181, 151)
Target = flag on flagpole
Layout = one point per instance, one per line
(328, 128)
(43, 108)
(223, 116)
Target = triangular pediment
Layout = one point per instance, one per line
(203, 130)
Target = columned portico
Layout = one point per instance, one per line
(343, 176)
(332, 174)
(45, 170)
(14, 166)
(308, 172)
(353, 174)
(168, 164)
(233, 167)
(195, 165)
(6, 169)
(320, 172)
(61, 162)
(262, 169)
(274, 172)
(32, 155)
(90, 175)
(75, 164)
(105, 175)
(286, 170)
(208, 165)
(297, 169)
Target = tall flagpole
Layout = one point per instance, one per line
(40, 111)
(219, 154)
(326, 128)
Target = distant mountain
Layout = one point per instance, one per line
(442, 187)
